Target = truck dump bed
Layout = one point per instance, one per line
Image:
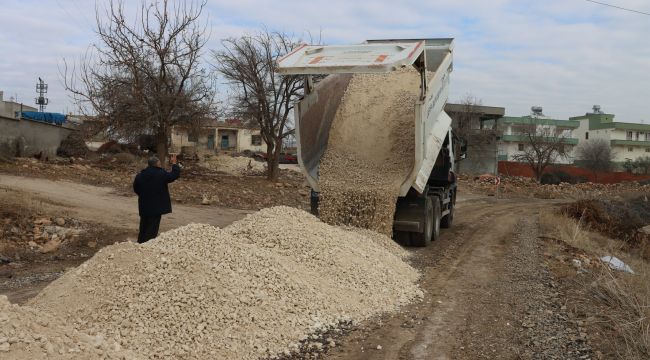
(315, 112)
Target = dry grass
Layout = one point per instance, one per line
(625, 296)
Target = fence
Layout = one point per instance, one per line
(513, 168)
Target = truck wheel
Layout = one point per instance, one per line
(436, 218)
(424, 238)
(448, 219)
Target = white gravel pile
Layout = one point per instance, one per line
(251, 290)
(234, 165)
(27, 334)
(370, 150)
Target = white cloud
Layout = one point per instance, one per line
(563, 55)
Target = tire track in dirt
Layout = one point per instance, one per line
(459, 268)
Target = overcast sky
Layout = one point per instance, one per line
(564, 55)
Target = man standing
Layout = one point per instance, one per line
(153, 196)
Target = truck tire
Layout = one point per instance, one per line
(435, 233)
(448, 219)
(424, 238)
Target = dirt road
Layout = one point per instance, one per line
(99, 204)
(488, 295)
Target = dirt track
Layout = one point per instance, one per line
(99, 204)
(483, 279)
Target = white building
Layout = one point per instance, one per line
(628, 140)
(515, 140)
(230, 136)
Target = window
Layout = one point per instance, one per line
(637, 135)
(647, 149)
(192, 136)
(520, 147)
(647, 136)
(587, 135)
(630, 149)
(629, 135)
(256, 140)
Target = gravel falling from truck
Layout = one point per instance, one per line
(370, 150)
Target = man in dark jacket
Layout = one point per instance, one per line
(153, 196)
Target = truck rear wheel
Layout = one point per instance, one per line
(448, 219)
(429, 217)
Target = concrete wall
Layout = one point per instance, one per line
(508, 150)
(27, 138)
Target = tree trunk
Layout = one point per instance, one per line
(271, 174)
(161, 147)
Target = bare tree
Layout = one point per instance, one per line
(468, 118)
(596, 155)
(144, 75)
(543, 145)
(249, 64)
(642, 165)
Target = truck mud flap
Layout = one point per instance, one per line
(408, 215)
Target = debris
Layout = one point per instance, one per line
(616, 264)
(234, 165)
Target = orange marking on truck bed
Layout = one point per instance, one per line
(381, 58)
(316, 59)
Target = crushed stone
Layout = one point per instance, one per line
(370, 150)
(26, 334)
(256, 288)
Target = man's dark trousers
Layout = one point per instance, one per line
(148, 228)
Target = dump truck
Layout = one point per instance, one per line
(427, 194)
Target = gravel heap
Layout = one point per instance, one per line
(234, 165)
(251, 290)
(370, 150)
(26, 333)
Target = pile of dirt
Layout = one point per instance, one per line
(26, 334)
(370, 150)
(518, 186)
(254, 289)
(73, 146)
(234, 165)
(615, 218)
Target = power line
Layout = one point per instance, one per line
(618, 7)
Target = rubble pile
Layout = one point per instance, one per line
(73, 145)
(370, 150)
(257, 288)
(517, 186)
(234, 165)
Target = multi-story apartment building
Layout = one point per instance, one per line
(514, 139)
(628, 140)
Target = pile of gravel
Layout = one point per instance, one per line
(370, 150)
(27, 334)
(251, 290)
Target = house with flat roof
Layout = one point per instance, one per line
(628, 140)
(231, 135)
(514, 138)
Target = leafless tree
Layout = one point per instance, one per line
(468, 118)
(144, 75)
(263, 96)
(596, 155)
(642, 165)
(543, 145)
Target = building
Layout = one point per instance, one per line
(514, 139)
(230, 135)
(24, 136)
(475, 125)
(628, 140)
